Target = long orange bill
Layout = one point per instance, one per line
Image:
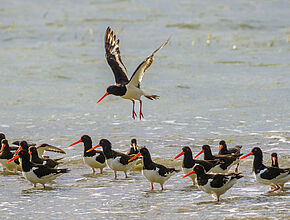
(188, 174)
(179, 155)
(93, 148)
(273, 158)
(199, 154)
(221, 147)
(103, 97)
(249, 154)
(3, 145)
(79, 141)
(17, 150)
(14, 158)
(132, 158)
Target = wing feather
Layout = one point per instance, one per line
(139, 72)
(113, 57)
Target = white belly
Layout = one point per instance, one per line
(30, 176)
(279, 180)
(217, 191)
(153, 176)
(133, 93)
(115, 164)
(91, 162)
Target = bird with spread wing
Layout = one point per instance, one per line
(125, 88)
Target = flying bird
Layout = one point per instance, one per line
(125, 88)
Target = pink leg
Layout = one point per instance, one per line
(133, 112)
(152, 187)
(278, 187)
(141, 114)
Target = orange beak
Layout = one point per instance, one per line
(249, 154)
(132, 158)
(273, 158)
(179, 155)
(30, 152)
(93, 148)
(199, 154)
(188, 174)
(14, 158)
(103, 97)
(221, 147)
(79, 141)
(17, 150)
(3, 145)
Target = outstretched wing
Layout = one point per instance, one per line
(113, 57)
(139, 72)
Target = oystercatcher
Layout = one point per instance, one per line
(153, 172)
(267, 175)
(6, 155)
(40, 149)
(133, 147)
(36, 173)
(227, 160)
(274, 159)
(95, 158)
(188, 163)
(125, 88)
(224, 150)
(51, 163)
(216, 184)
(117, 161)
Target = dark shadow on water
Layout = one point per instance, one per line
(38, 188)
(8, 173)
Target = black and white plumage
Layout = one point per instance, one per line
(134, 148)
(115, 160)
(267, 175)
(188, 163)
(95, 158)
(153, 172)
(5, 156)
(125, 88)
(51, 163)
(227, 160)
(224, 150)
(37, 173)
(216, 184)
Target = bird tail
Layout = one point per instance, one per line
(151, 97)
(65, 170)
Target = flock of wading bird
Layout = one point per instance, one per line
(210, 174)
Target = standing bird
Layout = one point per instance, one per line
(125, 88)
(188, 163)
(216, 184)
(153, 172)
(37, 173)
(227, 160)
(117, 161)
(267, 175)
(133, 147)
(51, 163)
(95, 158)
(6, 155)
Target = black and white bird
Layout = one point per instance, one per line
(95, 158)
(36, 173)
(115, 160)
(224, 150)
(188, 163)
(267, 175)
(216, 184)
(5, 156)
(51, 163)
(227, 160)
(134, 148)
(125, 88)
(153, 172)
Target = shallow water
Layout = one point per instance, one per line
(223, 75)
